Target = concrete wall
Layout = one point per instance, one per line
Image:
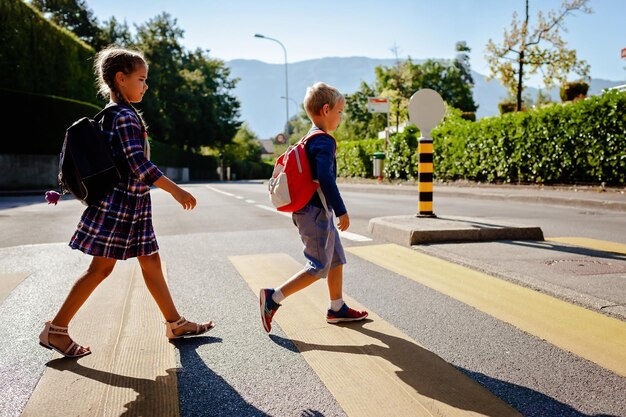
(25, 172)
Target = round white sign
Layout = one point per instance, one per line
(426, 109)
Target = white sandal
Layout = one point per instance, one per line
(200, 328)
(73, 348)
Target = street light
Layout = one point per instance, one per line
(292, 100)
(258, 35)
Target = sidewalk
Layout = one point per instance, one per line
(608, 198)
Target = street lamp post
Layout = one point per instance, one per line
(258, 35)
(292, 100)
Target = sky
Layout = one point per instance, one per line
(419, 29)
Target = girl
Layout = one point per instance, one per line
(120, 226)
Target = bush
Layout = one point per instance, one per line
(574, 90)
(584, 142)
(354, 158)
(402, 157)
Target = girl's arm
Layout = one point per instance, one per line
(185, 198)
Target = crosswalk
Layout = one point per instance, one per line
(371, 368)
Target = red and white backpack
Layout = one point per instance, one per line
(292, 184)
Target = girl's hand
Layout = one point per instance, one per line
(185, 199)
(344, 222)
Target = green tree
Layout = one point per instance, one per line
(299, 125)
(464, 84)
(208, 97)
(525, 50)
(73, 15)
(159, 39)
(451, 79)
(113, 32)
(244, 147)
(358, 122)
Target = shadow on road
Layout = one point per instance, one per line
(150, 393)
(575, 250)
(202, 391)
(205, 393)
(415, 362)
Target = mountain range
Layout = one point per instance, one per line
(261, 87)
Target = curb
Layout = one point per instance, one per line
(409, 230)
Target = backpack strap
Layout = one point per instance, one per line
(102, 112)
(305, 138)
(317, 132)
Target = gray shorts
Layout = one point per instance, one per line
(322, 246)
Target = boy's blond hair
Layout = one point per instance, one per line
(319, 94)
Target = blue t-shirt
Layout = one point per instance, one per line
(320, 151)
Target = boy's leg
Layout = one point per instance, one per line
(299, 281)
(335, 272)
(335, 282)
(338, 311)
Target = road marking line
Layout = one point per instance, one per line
(601, 245)
(346, 235)
(132, 370)
(273, 210)
(590, 335)
(219, 191)
(8, 282)
(371, 368)
(354, 236)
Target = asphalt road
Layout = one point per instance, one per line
(241, 372)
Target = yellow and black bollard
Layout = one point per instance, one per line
(425, 171)
(426, 109)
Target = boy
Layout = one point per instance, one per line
(322, 248)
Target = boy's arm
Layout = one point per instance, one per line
(324, 157)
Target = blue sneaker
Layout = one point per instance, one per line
(268, 308)
(345, 313)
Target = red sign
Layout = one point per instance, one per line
(378, 104)
(280, 138)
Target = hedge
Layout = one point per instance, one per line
(573, 143)
(40, 57)
(42, 132)
(581, 142)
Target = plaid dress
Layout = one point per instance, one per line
(120, 226)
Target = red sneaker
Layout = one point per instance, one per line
(345, 314)
(268, 308)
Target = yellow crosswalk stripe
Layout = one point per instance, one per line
(371, 368)
(132, 370)
(588, 334)
(585, 242)
(8, 282)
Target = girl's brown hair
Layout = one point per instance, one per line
(109, 62)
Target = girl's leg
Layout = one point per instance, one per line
(98, 270)
(155, 281)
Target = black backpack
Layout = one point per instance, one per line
(86, 167)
